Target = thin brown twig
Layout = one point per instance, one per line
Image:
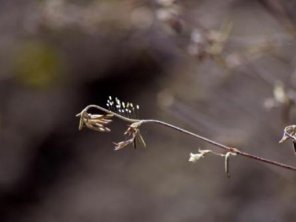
(181, 130)
(222, 146)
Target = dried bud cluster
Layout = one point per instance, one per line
(98, 122)
(94, 121)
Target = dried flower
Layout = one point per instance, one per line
(133, 132)
(202, 153)
(197, 156)
(94, 121)
(289, 133)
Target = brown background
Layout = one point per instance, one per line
(58, 56)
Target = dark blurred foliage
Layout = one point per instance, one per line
(225, 69)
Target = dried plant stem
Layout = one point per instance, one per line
(205, 139)
(126, 119)
(221, 146)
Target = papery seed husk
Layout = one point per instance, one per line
(95, 116)
(81, 124)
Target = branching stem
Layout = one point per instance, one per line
(205, 139)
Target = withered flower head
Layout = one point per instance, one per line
(289, 133)
(94, 121)
(134, 134)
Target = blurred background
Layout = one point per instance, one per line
(224, 69)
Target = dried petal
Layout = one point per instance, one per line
(81, 124)
(226, 163)
(197, 156)
(123, 144)
(139, 136)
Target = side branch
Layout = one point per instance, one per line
(221, 146)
